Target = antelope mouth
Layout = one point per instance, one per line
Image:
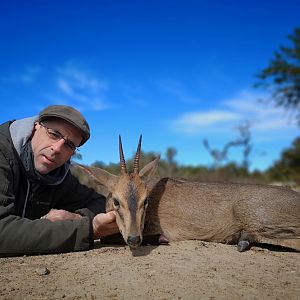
(134, 242)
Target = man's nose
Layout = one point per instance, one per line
(58, 146)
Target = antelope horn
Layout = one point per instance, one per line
(137, 157)
(122, 159)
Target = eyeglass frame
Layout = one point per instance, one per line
(55, 132)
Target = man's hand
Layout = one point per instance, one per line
(60, 215)
(104, 225)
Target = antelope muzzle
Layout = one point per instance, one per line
(134, 241)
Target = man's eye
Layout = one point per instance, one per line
(70, 145)
(53, 135)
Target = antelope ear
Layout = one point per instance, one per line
(101, 176)
(109, 204)
(148, 171)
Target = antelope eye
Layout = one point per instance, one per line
(116, 202)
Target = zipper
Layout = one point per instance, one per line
(26, 199)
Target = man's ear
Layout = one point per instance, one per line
(34, 129)
(148, 171)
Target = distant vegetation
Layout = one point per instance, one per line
(285, 170)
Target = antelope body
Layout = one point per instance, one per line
(242, 214)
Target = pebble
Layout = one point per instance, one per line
(42, 271)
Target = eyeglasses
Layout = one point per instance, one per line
(56, 136)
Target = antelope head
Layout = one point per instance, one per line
(128, 194)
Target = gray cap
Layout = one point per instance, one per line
(70, 115)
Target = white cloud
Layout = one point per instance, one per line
(263, 116)
(65, 87)
(195, 121)
(73, 85)
(80, 89)
(30, 74)
(230, 112)
(27, 76)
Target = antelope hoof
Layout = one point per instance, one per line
(243, 245)
(133, 241)
(163, 240)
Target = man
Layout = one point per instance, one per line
(43, 207)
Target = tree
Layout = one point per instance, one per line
(243, 141)
(170, 154)
(171, 165)
(282, 76)
(288, 166)
(218, 155)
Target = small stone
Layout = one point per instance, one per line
(42, 271)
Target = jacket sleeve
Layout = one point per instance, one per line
(74, 196)
(20, 236)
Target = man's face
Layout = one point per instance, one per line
(50, 151)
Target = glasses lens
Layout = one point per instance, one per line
(70, 145)
(54, 135)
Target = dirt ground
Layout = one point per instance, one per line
(183, 270)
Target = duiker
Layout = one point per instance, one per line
(242, 214)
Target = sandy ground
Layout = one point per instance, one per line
(183, 270)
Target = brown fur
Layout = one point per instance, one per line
(224, 212)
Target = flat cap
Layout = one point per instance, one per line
(70, 115)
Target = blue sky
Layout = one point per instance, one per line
(176, 71)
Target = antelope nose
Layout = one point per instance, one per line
(133, 241)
